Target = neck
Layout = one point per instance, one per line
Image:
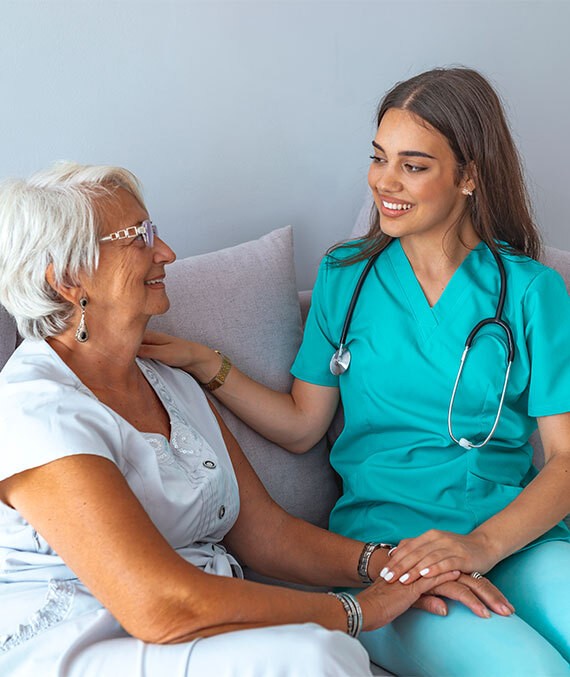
(105, 361)
(437, 255)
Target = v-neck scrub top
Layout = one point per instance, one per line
(401, 472)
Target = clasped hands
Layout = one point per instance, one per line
(437, 552)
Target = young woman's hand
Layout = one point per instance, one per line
(435, 552)
(171, 350)
(195, 358)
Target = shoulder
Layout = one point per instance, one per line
(342, 251)
(334, 266)
(47, 413)
(528, 276)
(36, 381)
(36, 361)
(531, 276)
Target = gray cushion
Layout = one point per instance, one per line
(243, 301)
(8, 336)
(560, 261)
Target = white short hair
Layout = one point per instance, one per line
(53, 217)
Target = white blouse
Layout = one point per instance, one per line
(186, 485)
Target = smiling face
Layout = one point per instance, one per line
(414, 178)
(129, 280)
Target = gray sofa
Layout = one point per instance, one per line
(244, 301)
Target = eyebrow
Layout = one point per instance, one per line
(407, 153)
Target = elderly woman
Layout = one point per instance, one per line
(119, 482)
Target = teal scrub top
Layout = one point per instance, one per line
(401, 472)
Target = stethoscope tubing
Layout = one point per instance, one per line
(340, 361)
(355, 296)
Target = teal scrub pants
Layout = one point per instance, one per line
(535, 641)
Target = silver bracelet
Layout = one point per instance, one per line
(353, 612)
(364, 560)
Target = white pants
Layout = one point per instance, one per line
(283, 651)
(77, 637)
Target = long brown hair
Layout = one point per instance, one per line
(462, 105)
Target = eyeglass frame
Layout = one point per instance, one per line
(147, 229)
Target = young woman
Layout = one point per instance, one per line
(434, 458)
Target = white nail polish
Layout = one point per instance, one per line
(404, 578)
(383, 572)
(424, 572)
(389, 576)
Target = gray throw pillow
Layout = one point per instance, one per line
(8, 336)
(243, 301)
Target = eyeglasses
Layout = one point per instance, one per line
(147, 229)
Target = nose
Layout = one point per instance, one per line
(384, 179)
(162, 253)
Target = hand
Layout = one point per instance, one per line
(435, 552)
(382, 603)
(174, 351)
(165, 348)
(479, 595)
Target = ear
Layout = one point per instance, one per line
(469, 178)
(66, 290)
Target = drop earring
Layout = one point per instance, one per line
(82, 333)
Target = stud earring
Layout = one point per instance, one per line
(82, 333)
(467, 192)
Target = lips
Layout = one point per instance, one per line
(394, 208)
(155, 281)
(400, 206)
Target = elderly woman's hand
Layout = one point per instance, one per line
(382, 603)
(479, 595)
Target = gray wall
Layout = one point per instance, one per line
(240, 117)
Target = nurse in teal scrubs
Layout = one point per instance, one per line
(448, 189)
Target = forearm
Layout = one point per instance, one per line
(277, 416)
(223, 604)
(541, 505)
(273, 414)
(230, 604)
(294, 550)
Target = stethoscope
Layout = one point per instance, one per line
(340, 361)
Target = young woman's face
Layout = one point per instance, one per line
(413, 177)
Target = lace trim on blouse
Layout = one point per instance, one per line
(57, 604)
(184, 438)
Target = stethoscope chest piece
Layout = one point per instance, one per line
(340, 361)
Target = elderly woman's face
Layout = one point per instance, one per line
(129, 281)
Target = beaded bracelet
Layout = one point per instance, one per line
(353, 612)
